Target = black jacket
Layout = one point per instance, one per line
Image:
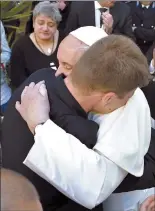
(17, 140)
(83, 14)
(149, 54)
(144, 21)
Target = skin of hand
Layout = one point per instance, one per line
(34, 106)
(148, 204)
(108, 22)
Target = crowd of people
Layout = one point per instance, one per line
(80, 124)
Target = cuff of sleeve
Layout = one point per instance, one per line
(66, 164)
(47, 126)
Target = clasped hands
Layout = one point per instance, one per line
(108, 21)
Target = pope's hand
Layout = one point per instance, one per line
(34, 107)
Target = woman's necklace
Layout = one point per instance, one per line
(49, 50)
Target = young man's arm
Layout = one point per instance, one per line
(83, 175)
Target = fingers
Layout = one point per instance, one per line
(37, 86)
(43, 90)
(18, 106)
(148, 204)
(24, 92)
(107, 18)
(106, 15)
(33, 89)
(31, 85)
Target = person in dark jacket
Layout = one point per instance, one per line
(149, 54)
(87, 13)
(143, 23)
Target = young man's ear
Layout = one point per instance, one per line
(108, 97)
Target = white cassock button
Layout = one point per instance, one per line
(141, 24)
(133, 25)
(144, 41)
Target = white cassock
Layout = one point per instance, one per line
(90, 176)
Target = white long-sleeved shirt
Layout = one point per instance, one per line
(90, 176)
(69, 165)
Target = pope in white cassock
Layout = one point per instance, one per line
(123, 140)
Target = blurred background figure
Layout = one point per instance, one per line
(12, 22)
(149, 90)
(143, 23)
(64, 8)
(150, 54)
(17, 193)
(152, 63)
(113, 17)
(5, 57)
(39, 49)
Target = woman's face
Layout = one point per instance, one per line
(44, 27)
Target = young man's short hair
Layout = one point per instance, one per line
(113, 64)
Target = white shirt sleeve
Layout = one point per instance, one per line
(82, 174)
(152, 68)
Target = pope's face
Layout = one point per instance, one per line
(69, 52)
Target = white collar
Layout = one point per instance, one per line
(98, 6)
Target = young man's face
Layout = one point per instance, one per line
(69, 52)
(110, 102)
